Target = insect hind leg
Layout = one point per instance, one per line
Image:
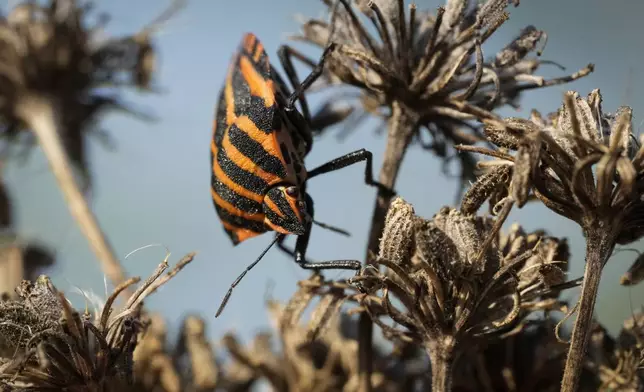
(348, 160)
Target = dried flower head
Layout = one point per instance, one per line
(586, 165)
(49, 346)
(463, 281)
(426, 73)
(50, 56)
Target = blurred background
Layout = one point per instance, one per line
(152, 188)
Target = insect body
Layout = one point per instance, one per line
(259, 142)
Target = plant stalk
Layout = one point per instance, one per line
(401, 126)
(442, 360)
(11, 268)
(599, 246)
(41, 115)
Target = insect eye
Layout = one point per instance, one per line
(292, 191)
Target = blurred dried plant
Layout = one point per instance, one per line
(20, 258)
(54, 72)
(582, 164)
(529, 361)
(618, 362)
(46, 345)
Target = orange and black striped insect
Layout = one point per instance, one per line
(259, 142)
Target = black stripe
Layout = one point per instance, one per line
(275, 219)
(252, 106)
(284, 206)
(227, 194)
(220, 119)
(255, 152)
(263, 117)
(240, 176)
(239, 221)
(289, 222)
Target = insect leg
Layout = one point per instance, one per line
(286, 55)
(287, 52)
(302, 243)
(280, 237)
(348, 160)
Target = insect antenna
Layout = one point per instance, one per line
(332, 228)
(241, 276)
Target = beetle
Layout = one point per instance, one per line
(258, 146)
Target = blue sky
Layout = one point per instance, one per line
(154, 187)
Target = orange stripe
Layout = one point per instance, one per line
(240, 190)
(246, 163)
(269, 203)
(268, 142)
(242, 234)
(292, 202)
(258, 52)
(258, 86)
(230, 98)
(259, 217)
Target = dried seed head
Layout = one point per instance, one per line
(515, 51)
(432, 67)
(468, 233)
(397, 236)
(465, 281)
(526, 162)
(581, 162)
(495, 180)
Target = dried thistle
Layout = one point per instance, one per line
(57, 348)
(582, 164)
(463, 283)
(52, 70)
(425, 74)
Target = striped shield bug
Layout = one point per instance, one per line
(259, 142)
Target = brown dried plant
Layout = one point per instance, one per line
(46, 345)
(462, 304)
(52, 69)
(583, 164)
(460, 281)
(425, 75)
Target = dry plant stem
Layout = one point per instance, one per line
(11, 268)
(599, 246)
(401, 126)
(441, 358)
(39, 113)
